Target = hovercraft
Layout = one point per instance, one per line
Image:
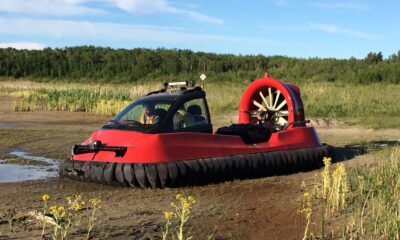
(166, 139)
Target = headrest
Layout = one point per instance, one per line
(194, 110)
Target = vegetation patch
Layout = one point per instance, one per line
(21, 161)
(373, 105)
(358, 203)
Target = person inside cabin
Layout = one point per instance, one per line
(182, 119)
(150, 116)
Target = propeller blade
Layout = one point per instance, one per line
(259, 105)
(283, 113)
(281, 105)
(270, 96)
(282, 121)
(264, 100)
(276, 100)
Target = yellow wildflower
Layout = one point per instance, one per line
(45, 197)
(327, 161)
(306, 195)
(186, 205)
(96, 202)
(77, 207)
(61, 211)
(191, 199)
(168, 215)
(179, 196)
(57, 212)
(306, 210)
(53, 210)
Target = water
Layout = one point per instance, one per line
(5, 124)
(19, 173)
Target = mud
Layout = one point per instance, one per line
(264, 208)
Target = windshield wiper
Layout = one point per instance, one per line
(130, 122)
(113, 122)
(124, 122)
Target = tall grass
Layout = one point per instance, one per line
(376, 203)
(339, 100)
(370, 209)
(100, 99)
(320, 99)
(105, 99)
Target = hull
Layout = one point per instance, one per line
(197, 171)
(178, 159)
(167, 147)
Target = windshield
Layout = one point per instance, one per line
(143, 113)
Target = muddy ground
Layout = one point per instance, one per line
(265, 208)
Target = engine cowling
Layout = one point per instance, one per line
(274, 97)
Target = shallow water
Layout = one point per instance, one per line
(5, 124)
(19, 173)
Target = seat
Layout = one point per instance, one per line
(196, 112)
(183, 119)
(160, 114)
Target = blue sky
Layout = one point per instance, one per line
(312, 28)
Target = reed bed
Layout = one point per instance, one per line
(329, 100)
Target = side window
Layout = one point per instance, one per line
(191, 113)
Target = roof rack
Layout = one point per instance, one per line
(177, 86)
(180, 85)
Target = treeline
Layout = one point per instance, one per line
(121, 65)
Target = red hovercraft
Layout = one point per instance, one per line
(180, 148)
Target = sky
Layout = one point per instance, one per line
(294, 28)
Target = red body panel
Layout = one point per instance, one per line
(290, 91)
(155, 148)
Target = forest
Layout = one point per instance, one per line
(107, 65)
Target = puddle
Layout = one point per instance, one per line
(5, 124)
(18, 173)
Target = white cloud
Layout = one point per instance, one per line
(78, 7)
(94, 31)
(334, 29)
(153, 6)
(342, 5)
(194, 15)
(141, 6)
(23, 45)
(47, 7)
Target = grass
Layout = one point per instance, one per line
(351, 101)
(374, 105)
(20, 161)
(376, 199)
(366, 209)
(104, 99)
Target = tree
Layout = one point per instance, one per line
(374, 58)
